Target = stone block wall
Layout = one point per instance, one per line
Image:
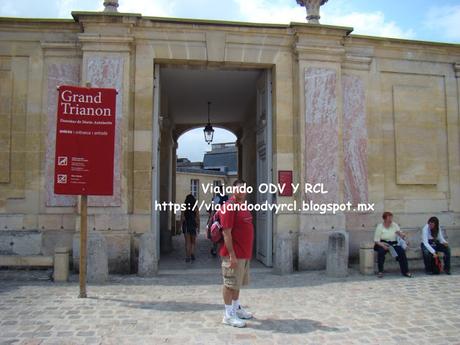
(374, 119)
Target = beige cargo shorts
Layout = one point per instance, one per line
(235, 278)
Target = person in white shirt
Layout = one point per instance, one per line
(386, 240)
(433, 242)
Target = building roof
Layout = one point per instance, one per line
(221, 160)
(223, 157)
(186, 163)
(202, 171)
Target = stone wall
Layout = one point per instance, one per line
(385, 112)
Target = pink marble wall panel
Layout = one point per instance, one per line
(58, 74)
(107, 71)
(321, 132)
(354, 140)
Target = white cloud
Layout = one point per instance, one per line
(338, 13)
(156, 8)
(65, 7)
(153, 8)
(263, 11)
(445, 21)
(367, 23)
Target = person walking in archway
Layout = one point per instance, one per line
(190, 220)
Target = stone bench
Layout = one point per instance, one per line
(59, 262)
(368, 258)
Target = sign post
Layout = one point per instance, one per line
(83, 243)
(84, 160)
(83, 240)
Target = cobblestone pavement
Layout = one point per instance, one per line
(303, 308)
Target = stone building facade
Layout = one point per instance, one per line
(374, 119)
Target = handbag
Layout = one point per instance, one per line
(401, 242)
(437, 265)
(217, 228)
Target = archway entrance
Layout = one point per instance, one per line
(199, 166)
(241, 103)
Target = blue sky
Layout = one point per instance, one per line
(429, 20)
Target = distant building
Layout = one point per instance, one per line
(219, 167)
(222, 157)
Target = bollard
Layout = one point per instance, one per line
(366, 258)
(337, 254)
(283, 257)
(148, 259)
(98, 262)
(61, 264)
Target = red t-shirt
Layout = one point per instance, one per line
(240, 221)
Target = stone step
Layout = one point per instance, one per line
(26, 261)
(415, 264)
(216, 271)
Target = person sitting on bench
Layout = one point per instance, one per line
(386, 239)
(433, 242)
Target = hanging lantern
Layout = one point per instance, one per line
(208, 130)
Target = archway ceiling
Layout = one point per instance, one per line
(232, 94)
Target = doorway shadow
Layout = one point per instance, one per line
(174, 306)
(174, 260)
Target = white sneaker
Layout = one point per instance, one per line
(243, 314)
(234, 321)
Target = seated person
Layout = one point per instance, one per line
(385, 237)
(433, 242)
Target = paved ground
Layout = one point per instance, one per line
(303, 308)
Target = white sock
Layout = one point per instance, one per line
(228, 310)
(236, 304)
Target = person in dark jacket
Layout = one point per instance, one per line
(190, 220)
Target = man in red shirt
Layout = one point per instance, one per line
(236, 253)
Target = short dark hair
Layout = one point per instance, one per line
(387, 214)
(190, 200)
(238, 181)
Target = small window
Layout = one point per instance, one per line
(194, 187)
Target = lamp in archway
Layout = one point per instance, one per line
(208, 130)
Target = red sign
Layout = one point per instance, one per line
(85, 137)
(285, 180)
